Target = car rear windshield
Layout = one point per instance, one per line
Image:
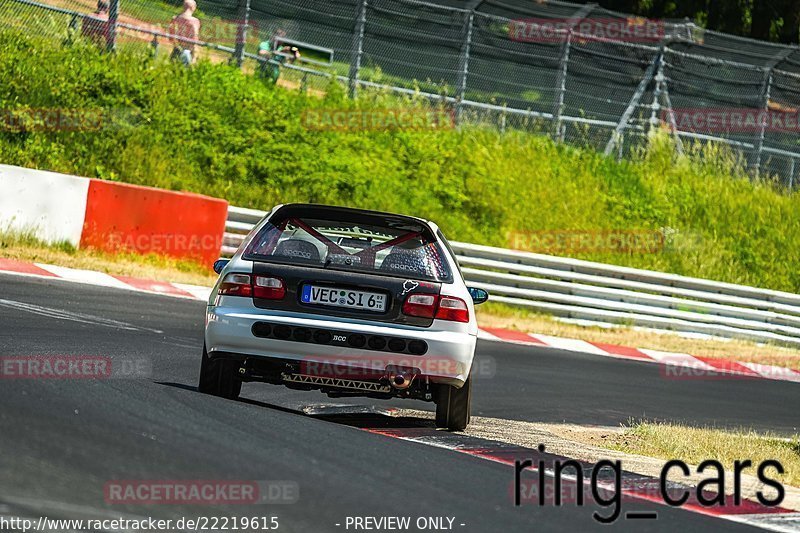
(339, 239)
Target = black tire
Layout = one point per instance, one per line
(218, 377)
(453, 406)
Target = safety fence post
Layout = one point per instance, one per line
(241, 32)
(357, 50)
(113, 16)
(558, 109)
(463, 67)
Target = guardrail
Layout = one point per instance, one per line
(576, 289)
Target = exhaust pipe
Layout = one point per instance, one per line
(401, 380)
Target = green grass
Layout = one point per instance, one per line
(154, 10)
(695, 445)
(216, 131)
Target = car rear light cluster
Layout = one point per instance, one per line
(452, 308)
(421, 305)
(436, 306)
(236, 285)
(268, 288)
(262, 287)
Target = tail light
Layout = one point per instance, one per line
(453, 309)
(435, 306)
(267, 288)
(236, 285)
(423, 305)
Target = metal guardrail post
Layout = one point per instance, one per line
(561, 82)
(357, 50)
(655, 107)
(670, 111)
(558, 109)
(662, 92)
(616, 137)
(241, 32)
(766, 94)
(113, 16)
(766, 91)
(463, 67)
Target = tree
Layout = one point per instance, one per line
(752, 18)
(762, 15)
(790, 31)
(727, 16)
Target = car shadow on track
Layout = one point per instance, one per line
(359, 416)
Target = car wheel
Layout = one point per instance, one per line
(453, 406)
(218, 377)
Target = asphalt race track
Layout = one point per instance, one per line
(61, 441)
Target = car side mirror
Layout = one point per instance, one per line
(478, 295)
(219, 264)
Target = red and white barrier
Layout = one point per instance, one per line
(111, 216)
(49, 205)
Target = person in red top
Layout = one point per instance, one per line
(95, 26)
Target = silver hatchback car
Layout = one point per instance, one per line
(346, 301)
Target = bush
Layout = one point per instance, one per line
(216, 131)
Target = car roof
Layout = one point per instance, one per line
(323, 210)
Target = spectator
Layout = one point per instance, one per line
(186, 27)
(277, 52)
(95, 26)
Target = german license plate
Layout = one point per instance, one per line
(367, 301)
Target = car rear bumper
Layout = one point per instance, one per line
(447, 356)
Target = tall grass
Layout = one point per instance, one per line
(215, 131)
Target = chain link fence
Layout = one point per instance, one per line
(578, 72)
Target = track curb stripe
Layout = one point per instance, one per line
(159, 287)
(508, 335)
(622, 351)
(21, 267)
(101, 279)
(697, 367)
